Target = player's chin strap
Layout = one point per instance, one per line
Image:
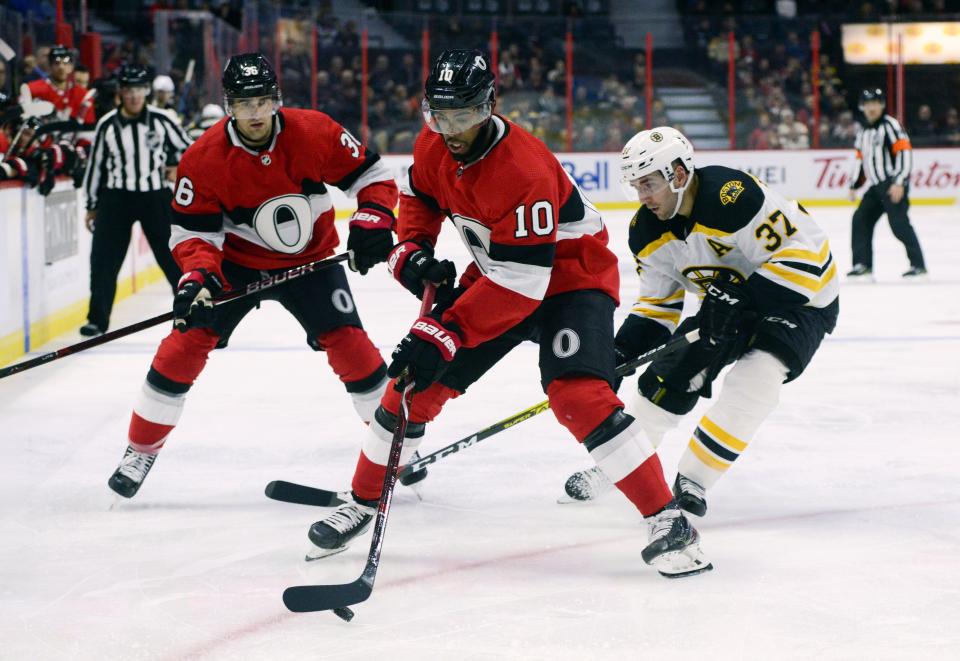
(680, 192)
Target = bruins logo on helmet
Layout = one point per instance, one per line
(701, 276)
(656, 136)
(730, 192)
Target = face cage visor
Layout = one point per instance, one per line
(648, 185)
(455, 120)
(254, 107)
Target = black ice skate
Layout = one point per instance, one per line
(334, 533)
(131, 472)
(585, 485)
(860, 273)
(691, 497)
(915, 273)
(91, 330)
(674, 548)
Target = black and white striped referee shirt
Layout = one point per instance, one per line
(131, 154)
(883, 152)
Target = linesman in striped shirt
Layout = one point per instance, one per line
(126, 182)
(884, 160)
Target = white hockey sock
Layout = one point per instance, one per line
(377, 440)
(366, 403)
(655, 421)
(750, 393)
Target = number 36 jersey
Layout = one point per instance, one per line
(740, 226)
(529, 230)
(270, 208)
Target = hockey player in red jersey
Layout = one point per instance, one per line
(251, 199)
(541, 270)
(71, 101)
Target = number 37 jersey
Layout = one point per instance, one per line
(738, 226)
(270, 208)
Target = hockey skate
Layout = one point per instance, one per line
(585, 485)
(691, 497)
(916, 274)
(860, 273)
(131, 472)
(674, 548)
(333, 534)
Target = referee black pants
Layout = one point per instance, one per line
(116, 213)
(874, 204)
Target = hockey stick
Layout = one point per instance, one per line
(267, 283)
(309, 598)
(304, 495)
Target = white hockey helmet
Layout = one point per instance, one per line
(163, 83)
(655, 150)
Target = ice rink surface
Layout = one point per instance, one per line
(835, 536)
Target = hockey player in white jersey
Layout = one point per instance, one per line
(769, 293)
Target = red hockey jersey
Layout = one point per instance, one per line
(71, 102)
(270, 209)
(531, 232)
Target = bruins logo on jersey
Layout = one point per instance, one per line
(701, 276)
(730, 192)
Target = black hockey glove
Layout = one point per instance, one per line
(723, 310)
(425, 353)
(371, 238)
(411, 264)
(19, 168)
(193, 302)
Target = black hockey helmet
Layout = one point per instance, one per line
(461, 78)
(132, 74)
(249, 75)
(872, 94)
(60, 52)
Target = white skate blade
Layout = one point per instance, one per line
(689, 561)
(317, 553)
(860, 279)
(566, 499)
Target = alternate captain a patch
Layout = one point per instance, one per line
(730, 192)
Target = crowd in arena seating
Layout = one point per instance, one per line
(774, 87)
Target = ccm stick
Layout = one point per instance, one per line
(300, 494)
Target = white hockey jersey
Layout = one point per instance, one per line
(741, 226)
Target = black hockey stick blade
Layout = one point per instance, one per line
(299, 494)
(311, 598)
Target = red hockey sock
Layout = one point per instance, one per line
(646, 487)
(351, 354)
(581, 403)
(368, 478)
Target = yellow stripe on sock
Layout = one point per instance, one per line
(706, 457)
(720, 435)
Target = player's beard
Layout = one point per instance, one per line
(480, 143)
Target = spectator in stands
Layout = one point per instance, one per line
(3, 76)
(347, 38)
(951, 127)
(325, 91)
(924, 130)
(557, 78)
(380, 78)
(792, 134)
(588, 139)
(844, 131)
(760, 137)
(408, 73)
(81, 76)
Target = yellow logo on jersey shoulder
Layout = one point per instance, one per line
(730, 192)
(719, 248)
